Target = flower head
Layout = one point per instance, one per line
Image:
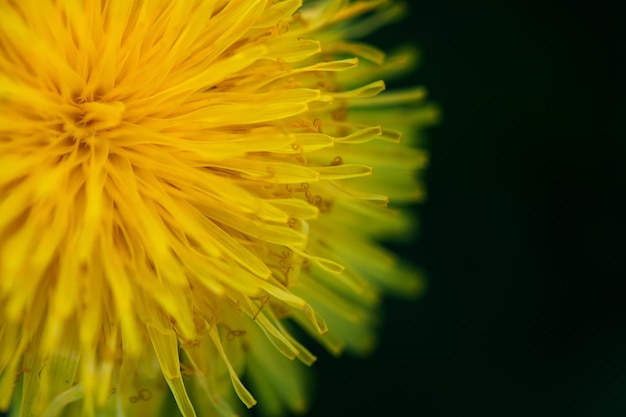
(183, 184)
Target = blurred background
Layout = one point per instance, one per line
(523, 233)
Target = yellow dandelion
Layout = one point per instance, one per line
(184, 185)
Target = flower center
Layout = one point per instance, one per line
(95, 116)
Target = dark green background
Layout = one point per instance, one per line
(523, 232)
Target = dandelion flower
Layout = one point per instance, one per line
(184, 187)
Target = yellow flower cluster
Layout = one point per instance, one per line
(184, 185)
